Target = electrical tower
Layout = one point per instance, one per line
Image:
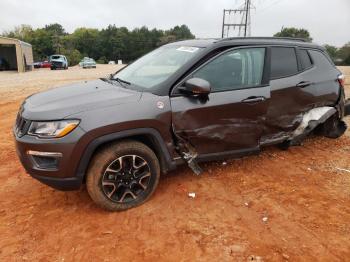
(237, 19)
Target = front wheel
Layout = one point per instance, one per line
(123, 175)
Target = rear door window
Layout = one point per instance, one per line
(283, 62)
(305, 59)
(320, 60)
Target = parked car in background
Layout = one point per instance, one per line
(58, 61)
(111, 62)
(45, 64)
(37, 64)
(87, 62)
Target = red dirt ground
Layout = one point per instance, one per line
(280, 205)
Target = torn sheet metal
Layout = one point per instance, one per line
(315, 114)
(187, 152)
(310, 121)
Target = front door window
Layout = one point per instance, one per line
(234, 70)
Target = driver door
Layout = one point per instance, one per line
(231, 118)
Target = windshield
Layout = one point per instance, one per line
(157, 66)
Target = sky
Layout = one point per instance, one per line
(327, 21)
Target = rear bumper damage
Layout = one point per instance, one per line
(347, 107)
(310, 121)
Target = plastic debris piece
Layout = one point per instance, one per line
(342, 169)
(264, 219)
(224, 163)
(285, 256)
(192, 195)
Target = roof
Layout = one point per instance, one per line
(246, 41)
(13, 40)
(196, 42)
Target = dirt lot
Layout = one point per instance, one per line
(281, 205)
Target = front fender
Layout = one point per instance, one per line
(169, 163)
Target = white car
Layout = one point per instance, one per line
(87, 63)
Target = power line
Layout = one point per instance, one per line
(271, 5)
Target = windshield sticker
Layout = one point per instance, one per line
(189, 49)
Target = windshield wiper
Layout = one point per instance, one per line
(106, 80)
(112, 80)
(121, 81)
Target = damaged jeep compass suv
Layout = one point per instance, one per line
(185, 102)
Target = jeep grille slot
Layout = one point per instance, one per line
(22, 125)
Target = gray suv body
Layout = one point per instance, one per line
(186, 102)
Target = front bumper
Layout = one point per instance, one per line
(88, 65)
(63, 184)
(59, 173)
(57, 64)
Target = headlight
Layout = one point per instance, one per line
(52, 129)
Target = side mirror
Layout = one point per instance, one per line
(196, 86)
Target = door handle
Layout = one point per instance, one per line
(303, 84)
(253, 99)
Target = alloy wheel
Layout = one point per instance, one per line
(126, 178)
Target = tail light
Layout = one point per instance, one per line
(341, 80)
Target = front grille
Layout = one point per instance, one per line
(21, 125)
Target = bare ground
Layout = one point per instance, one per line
(280, 205)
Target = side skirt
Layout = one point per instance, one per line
(223, 155)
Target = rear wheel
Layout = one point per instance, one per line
(123, 175)
(332, 128)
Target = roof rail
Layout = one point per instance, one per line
(267, 38)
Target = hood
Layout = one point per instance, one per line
(61, 102)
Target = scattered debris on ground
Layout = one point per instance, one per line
(192, 195)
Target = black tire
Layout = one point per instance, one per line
(110, 177)
(332, 128)
(285, 145)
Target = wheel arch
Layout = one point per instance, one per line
(148, 136)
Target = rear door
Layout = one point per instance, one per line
(232, 116)
(290, 94)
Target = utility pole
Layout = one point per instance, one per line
(247, 14)
(242, 14)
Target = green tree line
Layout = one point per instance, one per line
(111, 43)
(340, 56)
